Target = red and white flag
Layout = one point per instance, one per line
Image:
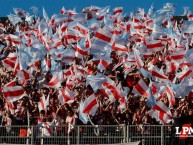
(12, 94)
(154, 87)
(118, 10)
(82, 29)
(46, 129)
(103, 64)
(160, 116)
(64, 27)
(187, 27)
(158, 75)
(78, 71)
(122, 102)
(185, 63)
(171, 66)
(87, 43)
(83, 117)
(112, 91)
(66, 96)
(23, 74)
(62, 11)
(72, 37)
(58, 43)
(103, 35)
(161, 113)
(177, 55)
(9, 63)
(67, 73)
(102, 13)
(149, 24)
(17, 65)
(90, 105)
(186, 73)
(54, 82)
(9, 106)
(138, 60)
(80, 52)
(190, 16)
(141, 89)
(136, 19)
(170, 95)
(119, 48)
(157, 89)
(160, 106)
(43, 103)
(139, 27)
(136, 37)
(13, 38)
(10, 84)
(70, 83)
(116, 30)
(47, 62)
(154, 45)
(147, 54)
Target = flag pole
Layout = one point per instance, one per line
(28, 125)
(91, 121)
(68, 133)
(96, 126)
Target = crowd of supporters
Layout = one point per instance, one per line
(123, 70)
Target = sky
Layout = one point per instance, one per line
(54, 6)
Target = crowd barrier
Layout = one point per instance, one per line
(85, 134)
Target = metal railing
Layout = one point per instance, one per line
(149, 134)
(86, 134)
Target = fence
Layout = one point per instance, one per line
(85, 134)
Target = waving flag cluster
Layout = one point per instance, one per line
(73, 49)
